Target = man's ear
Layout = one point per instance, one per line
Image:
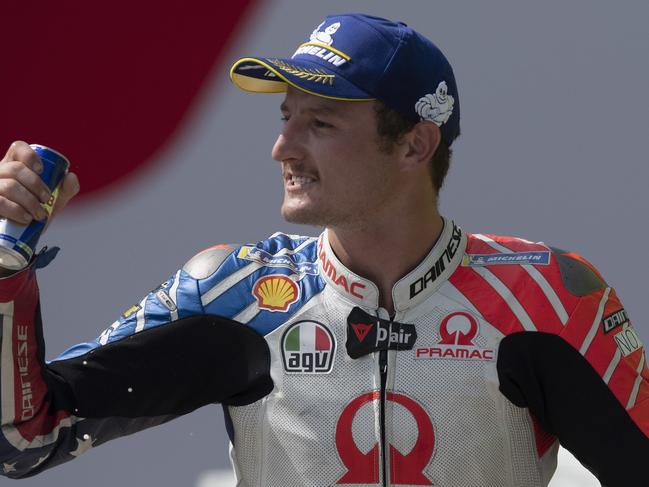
(419, 145)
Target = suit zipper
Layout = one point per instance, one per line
(383, 366)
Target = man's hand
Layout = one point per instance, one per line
(21, 189)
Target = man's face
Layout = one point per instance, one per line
(334, 171)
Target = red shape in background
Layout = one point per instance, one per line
(106, 84)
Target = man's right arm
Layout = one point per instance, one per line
(162, 358)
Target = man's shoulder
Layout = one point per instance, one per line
(542, 285)
(577, 275)
(207, 261)
(281, 250)
(260, 284)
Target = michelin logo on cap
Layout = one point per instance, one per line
(319, 45)
(437, 107)
(325, 36)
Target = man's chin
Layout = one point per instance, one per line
(302, 216)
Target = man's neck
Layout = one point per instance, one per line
(385, 253)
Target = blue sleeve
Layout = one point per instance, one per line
(162, 357)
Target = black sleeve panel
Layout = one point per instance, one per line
(578, 278)
(544, 373)
(166, 370)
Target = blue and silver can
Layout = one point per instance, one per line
(18, 242)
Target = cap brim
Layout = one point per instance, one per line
(273, 75)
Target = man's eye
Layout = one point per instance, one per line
(321, 125)
(284, 118)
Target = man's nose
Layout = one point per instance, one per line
(288, 144)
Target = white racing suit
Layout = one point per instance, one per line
(498, 350)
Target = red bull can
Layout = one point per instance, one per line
(18, 242)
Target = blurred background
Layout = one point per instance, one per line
(173, 158)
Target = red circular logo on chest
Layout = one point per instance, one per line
(405, 469)
(459, 328)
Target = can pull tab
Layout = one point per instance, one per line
(45, 256)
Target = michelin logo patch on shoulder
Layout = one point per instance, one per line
(518, 258)
(255, 254)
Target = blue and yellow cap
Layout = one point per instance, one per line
(360, 57)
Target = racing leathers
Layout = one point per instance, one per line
(499, 349)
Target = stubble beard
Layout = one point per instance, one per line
(356, 215)
(307, 216)
(328, 217)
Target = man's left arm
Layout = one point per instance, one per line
(588, 384)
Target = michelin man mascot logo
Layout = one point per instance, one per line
(325, 36)
(437, 107)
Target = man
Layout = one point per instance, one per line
(395, 349)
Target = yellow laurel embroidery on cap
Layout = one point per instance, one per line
(332, 49)
(256, 85)
(315, 75)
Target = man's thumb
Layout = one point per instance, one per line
(68, 189)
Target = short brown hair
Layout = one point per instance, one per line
(392, 126)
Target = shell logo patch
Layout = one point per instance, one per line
(275, 292)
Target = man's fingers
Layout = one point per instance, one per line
(22, 190)
(29, 179)
(14, 211)
(70, 185)
(20, 151)
(14, 192)
(12, 150)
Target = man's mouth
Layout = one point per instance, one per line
(297, 181)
